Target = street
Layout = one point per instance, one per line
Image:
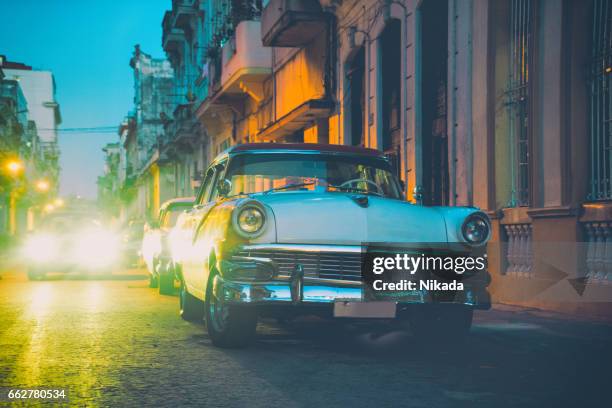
(112, 341)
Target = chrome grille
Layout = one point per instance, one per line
(323, 265)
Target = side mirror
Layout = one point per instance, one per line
(224, 186)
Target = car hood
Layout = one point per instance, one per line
(351, 219)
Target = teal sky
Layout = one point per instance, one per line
(87, 44)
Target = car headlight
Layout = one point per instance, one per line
(96, 247)
(40, 248)
(476, 229)
(249, 220)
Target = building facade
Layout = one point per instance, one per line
(39, 89)
(185, 145)
(109, 183)
(501, 105)
(29, 116)
(153, 84)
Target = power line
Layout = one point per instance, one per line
(83, 129)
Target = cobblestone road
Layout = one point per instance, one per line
(115, 342)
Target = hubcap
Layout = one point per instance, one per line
(218, 312)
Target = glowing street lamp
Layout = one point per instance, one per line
(49, 207)
(42, 186)
(58, 202)
(14, 167)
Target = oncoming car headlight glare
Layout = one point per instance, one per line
(96, 247)
(249, 220)
(476, 229)
(40, 248)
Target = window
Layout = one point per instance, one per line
(600, 122)
(334, 173)
(518, 98)
(355, 96)
(224, 145)
(219, 170)
(206, 186)
(171, 215)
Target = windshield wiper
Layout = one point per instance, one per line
(288, 186)
(356, 190)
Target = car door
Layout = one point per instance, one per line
(193, 269)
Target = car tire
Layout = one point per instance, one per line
(441, 323)
(166, 280)
(153, 281)
(229, 326)
(191, 308)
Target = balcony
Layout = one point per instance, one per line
(181, 132)
(301, 117)
(183, 11)
(245, 62)
(172, 37)
(292, 23)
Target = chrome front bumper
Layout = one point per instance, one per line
(297, 289)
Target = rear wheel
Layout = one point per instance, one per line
(191, 308)
(441, 323)
(152, 281)
(229, 326)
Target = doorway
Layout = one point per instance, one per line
(391, 63)
(434, 68)
(355, 94)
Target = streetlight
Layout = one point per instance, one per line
(14, 166)
(42, 186)
(58, 202)
(49, 207)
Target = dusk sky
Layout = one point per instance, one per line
(87, 44)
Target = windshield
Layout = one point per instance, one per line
(172, 214)
(274, 172)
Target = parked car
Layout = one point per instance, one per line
(131, 246)
(155, 249)
(280, 228)
(71, 241)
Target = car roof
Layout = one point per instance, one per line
(305, 147)
(178, 202)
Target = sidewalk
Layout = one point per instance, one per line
(583, 315)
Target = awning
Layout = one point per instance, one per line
(301, 117)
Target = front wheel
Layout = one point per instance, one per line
(229, 326)
(191, 308)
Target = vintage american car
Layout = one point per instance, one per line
(279, 229)
(155, 246)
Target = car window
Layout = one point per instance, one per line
(257, 173)
(206, 185)
(171, 216)
(220, 170)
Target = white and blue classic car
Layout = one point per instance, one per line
(281, 229)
